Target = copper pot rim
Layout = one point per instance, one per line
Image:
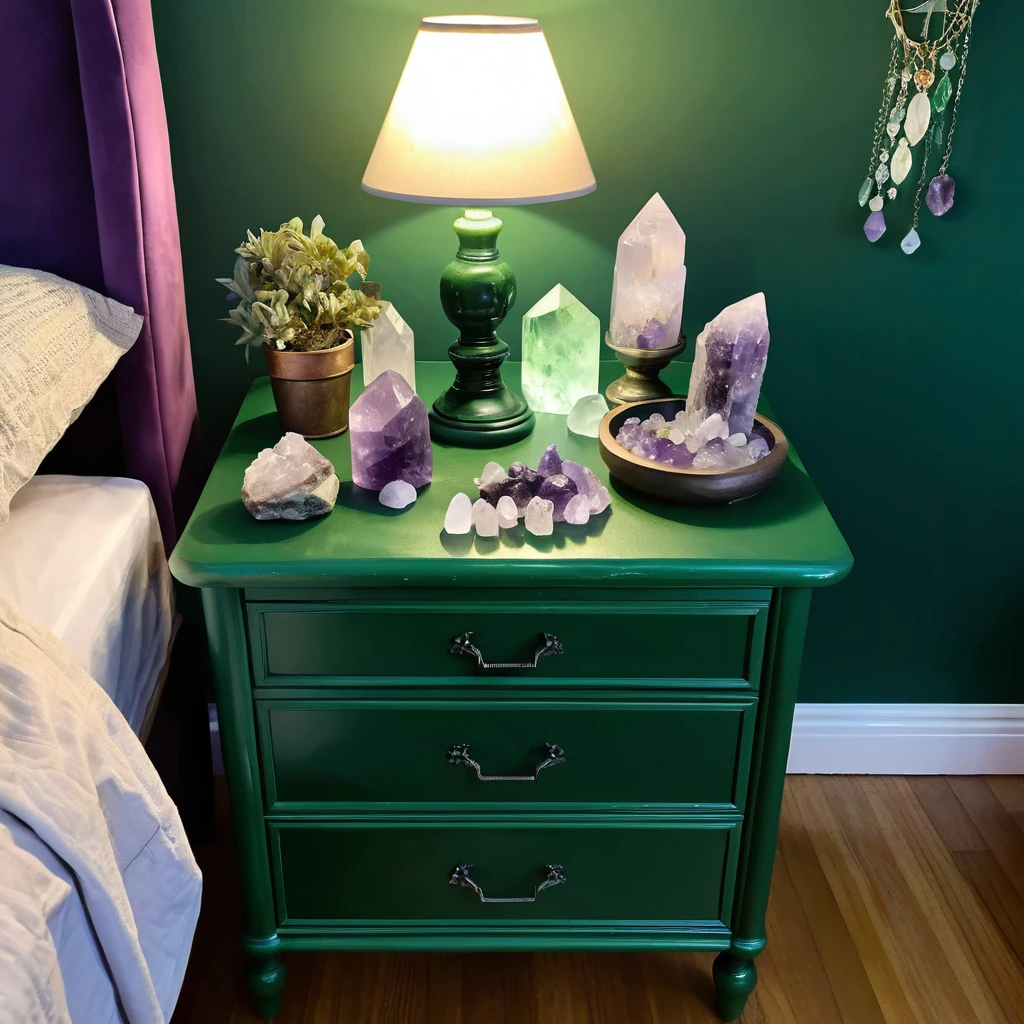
(777, 456)
(322, 365)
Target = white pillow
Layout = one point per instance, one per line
(58, 343)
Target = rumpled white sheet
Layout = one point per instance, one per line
(85, 820)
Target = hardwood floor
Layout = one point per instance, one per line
(895, 901)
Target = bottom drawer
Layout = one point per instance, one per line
(643, 869)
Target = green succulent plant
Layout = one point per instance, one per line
(293, 291)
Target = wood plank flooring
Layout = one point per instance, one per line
(894, 901)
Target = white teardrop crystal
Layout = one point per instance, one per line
(902, 160)
(919, 115)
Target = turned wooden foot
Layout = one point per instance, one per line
(735, 978)
(265, 975)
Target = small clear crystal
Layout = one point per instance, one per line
(586, 415)
(484, 517)
(459, 517)
(882, 174)
(397, 494)
(508, 514)
(540, 517)
(491, 474)
(912, 242)
(947, 61)
(891, 193)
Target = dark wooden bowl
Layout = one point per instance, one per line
(688, 486)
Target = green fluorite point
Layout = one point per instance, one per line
(865, 191)
(561, 350)
(941, 95)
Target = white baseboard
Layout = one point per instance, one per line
(907, 739)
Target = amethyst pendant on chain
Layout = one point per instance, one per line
(941, 191)
(874, 226)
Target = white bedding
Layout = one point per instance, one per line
(83, 557)
(99, 892)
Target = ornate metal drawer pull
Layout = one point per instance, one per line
(549, 644)
(460, 876)
(459, 754)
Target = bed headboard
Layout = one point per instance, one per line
(86, 192)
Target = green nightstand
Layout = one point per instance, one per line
(389, 792)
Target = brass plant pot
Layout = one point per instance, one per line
(640, 382)
(311, 389)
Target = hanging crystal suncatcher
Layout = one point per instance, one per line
(923, 84)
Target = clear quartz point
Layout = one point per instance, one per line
(912, 242)
(882, 174)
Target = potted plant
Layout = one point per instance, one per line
(295, 302)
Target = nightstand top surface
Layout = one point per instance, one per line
(784, 536)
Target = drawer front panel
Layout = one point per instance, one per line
(331, 752)
(358, 871)
(716, 643)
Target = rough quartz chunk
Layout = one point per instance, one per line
(561, 351)
(397, 494)
(649, 280)
(292, 480)
(577, 511)
(728, 367)
(588, 484)
(459, 517)
(491, 475)
(540, 517)
(508, 514)
(485, 518)
(586, 415)
(390, 435)
(388, 345)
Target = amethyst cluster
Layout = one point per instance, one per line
(573, 491)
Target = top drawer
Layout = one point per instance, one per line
(698, 643)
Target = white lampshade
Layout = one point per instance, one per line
(479, 118)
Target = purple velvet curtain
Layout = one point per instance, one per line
(86, 192)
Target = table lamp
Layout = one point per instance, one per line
(479, 119)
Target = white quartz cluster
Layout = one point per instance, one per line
(292, 480)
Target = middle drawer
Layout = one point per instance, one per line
(318, 754)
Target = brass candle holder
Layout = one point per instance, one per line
(641, 381)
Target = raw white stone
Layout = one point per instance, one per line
(292, 480)
(388, 345)
(397, 494)
(577, 512)
(588, 484)
(459, 517)
(540, 517)
(586, 415)
(485, 518)
(508, 514)
(738, 440)
(649, 280)
(902, 161)
(757, 448)
(491, 474)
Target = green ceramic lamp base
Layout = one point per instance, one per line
(477, 291)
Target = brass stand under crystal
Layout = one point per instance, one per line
(641, 381)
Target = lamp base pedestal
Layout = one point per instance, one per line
(477, 290)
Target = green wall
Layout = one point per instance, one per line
(753, 121)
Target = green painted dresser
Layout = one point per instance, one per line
(395, 785)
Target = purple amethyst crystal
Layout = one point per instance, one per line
(941, 190)
(874, 226)
(558, 489)
(550, 462)
(390, 435)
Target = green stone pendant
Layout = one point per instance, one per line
(941, 95)
(865, 191)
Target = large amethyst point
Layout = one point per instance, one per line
(941, 191)
(390, 435)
